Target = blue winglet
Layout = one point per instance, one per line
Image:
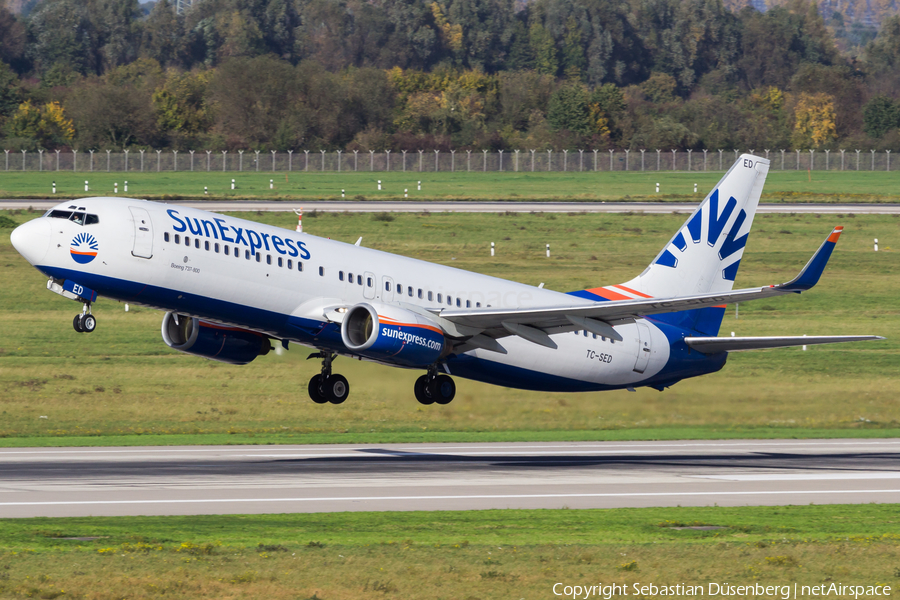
(810, 274)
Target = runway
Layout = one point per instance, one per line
(482, 207)
(190, 480)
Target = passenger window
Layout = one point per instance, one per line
(247, 254)
(91, 220)
(478, 305)
(585, 333)
(197, 243)
(350, 277)
(206, 245)
(369, 282)
(340, 275)
(290, 264)
(166, 236)
(280, 262)
(177, 239)
(268, 259)
(430, 296)
(187, 241)
(237, 251)
(258, 257)
(449, 301)
(409, 292)
(227, 253)
(322, 271)
(420, 293)
(468, 304)
(359, 280)
(387, 286)
(217, 247)
(458, 303)
(440, 298)
(299, 266)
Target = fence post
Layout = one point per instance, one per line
(158, 160)
(92, 160)
(826, 158)
(404, 160)
(74, 160)
(57, 160)
(767, 154)
(720, 158)
(798, 161)
(322, 168)
(7, 159)
(306, 161)
(108, 160)
(453, 161)
(23, 159)
(257, 159)
(595, 159)
(501, 160)
(469, 161)
(842, 159)
(673, 160)
(175, 160)
(888, 159)
(581, 160)
(549, 159)
(192, 159)
(420, 160)
(224, 159)
(436, 153)
(532, 161)
(627, 150)
(812, 162)
(485, 159)
(273, 160)
(658, 159)
(873, 159)
(689, 158)
(356, 160)
(41, 160)
(782, 160)
(142, 161)
(565, 160)
(857, 160)
(209, 161)
(611, 151)
(736, 154)
(339, 160)
(387, 154)
(642, 158)
(290, 160)
(124, 150)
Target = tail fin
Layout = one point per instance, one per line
(703, 257)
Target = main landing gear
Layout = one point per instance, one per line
(85, 322)
(432, 387)
(327, 387)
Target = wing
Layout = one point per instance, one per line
(534, 324)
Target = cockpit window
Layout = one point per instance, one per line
(91, 220)
(60, 214)
(78, 218)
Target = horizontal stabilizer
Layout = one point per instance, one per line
(712, 345)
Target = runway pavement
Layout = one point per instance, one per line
(441, 206)
(286, 479)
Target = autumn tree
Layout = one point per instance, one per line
(814, 121)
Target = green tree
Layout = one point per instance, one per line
(12, 38)
(880, 115)
(570, 109)
(543, 48)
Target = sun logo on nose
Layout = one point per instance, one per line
(83, 248)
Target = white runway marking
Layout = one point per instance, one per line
(831, 476)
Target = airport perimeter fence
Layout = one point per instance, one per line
(438, 161)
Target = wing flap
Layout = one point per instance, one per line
(713, 345)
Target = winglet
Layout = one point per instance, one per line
(810, 274)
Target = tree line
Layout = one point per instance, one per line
(436, 74)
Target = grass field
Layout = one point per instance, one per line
(781, 186)
(452, 555)
(60, 387)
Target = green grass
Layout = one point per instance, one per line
(781, 186)
(122, 380)
(474, 554)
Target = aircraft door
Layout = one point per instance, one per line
(369, 284)
(643, 356)
(387, 289)
(143, 233)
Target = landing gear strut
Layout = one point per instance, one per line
(327, 387)
(432, 387)
(85, 322)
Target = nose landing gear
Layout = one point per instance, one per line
(327, 387)
(85, 322)
(433, 388)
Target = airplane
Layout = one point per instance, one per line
(230, 286)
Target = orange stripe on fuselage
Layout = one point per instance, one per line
(609, 294)
(631, 291)
(833, 238)
(83, 253)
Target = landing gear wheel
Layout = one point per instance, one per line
(315, 390)
(442, 389)
(336, 389)
(76, 323)
(88, 323)
(423, 391)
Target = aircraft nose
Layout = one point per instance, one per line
(32, 240)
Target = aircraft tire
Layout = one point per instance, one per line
(336, 389)
(442, 389)
(423, 394)
(76, 323)
(315, 390)
(88, 323)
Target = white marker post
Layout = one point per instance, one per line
(299, 220)
(126, 307)
(695, 188)
(54, 191)
(116, 187)
(548, 250)
(804, 345)
(492, 248)
(126, 187)
(85, 185)
(876, 244)
(420, 186)
(657, 187)
(406, 192)
(271, 184)
(232, 184)
(342, 193)
(379, 185)
(205, 191)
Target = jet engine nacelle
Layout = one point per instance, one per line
(217, 342)
(392, 334)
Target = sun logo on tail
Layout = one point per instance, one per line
(83, 248)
